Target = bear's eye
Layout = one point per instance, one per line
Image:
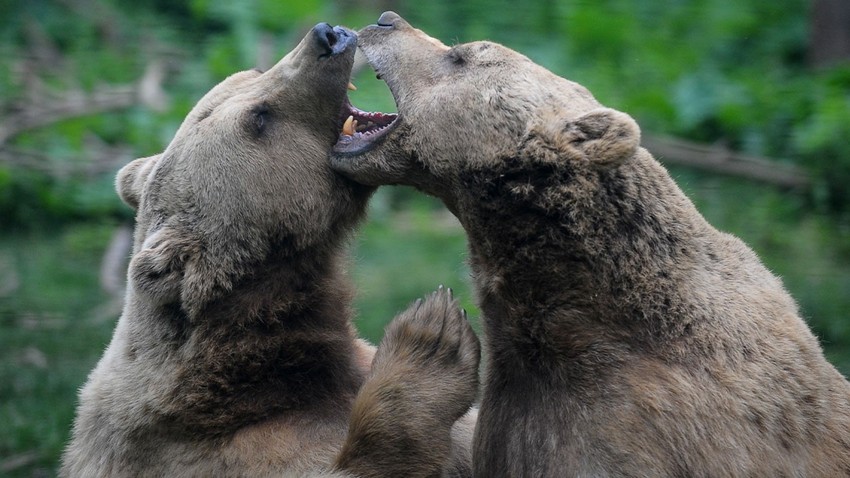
(260, 118)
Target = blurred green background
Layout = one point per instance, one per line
(86, 86)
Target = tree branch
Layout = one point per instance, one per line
(723, 161)
(72, 104)
(100, 158)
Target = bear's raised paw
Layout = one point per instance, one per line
(433, 349)
(424, 377)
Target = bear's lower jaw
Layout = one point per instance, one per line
(361, 130)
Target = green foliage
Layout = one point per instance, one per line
(822, 139)
(708, 70)
(404, 254)
(50, 337)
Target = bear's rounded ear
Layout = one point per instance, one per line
(602, 136)
(172, 266)
(606, 137)
(131, 179)
(157, 270)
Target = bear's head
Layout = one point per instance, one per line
(246, 177)
(469, 105)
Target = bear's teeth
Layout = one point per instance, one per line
(348, 126)
(351, 86)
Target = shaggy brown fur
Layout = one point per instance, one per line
(235, 354)
(626, 336)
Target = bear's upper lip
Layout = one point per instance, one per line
(361, 130)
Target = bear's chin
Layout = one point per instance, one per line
(360, 131)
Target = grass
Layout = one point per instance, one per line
(55, 321)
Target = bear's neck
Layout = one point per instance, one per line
(281, 340)
(572, 262)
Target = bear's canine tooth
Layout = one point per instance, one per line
(348, 126)
(351, 86)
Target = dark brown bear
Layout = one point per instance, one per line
(626, 336)
(235, 355)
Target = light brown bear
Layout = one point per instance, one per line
(235, 354)
(626, 336)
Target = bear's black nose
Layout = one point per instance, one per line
(387, 19)
(325, 36)
(332, 40)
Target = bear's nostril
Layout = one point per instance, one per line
(325, 36)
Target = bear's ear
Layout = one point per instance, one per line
(602, 136)
(606, 137)
(173, 266)
(158, 269)
(131, 179)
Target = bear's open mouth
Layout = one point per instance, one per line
(361, 130)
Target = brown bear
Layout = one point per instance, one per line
(235, 354)
(625, 335)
